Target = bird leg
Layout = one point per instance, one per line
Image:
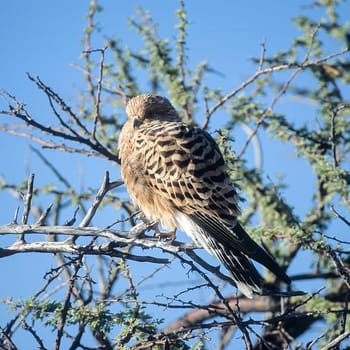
(155, 226)
(161, 234)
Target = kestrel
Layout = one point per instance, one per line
(176, 174)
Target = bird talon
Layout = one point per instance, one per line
(151, 225)
(164, 235)
(142, 217)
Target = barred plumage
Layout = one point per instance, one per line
(176, 174)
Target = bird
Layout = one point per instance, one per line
(176, 174)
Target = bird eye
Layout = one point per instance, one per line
(136, 122)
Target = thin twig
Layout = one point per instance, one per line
(53, 95)
(314, 341)
(66, 306)
(339, 265)
(236, 317)
(333, 139)
(104, 188)
(106, 86)
(73, 219)
(51, 166)
(15, 217)
(262, 55)
(44, 215)
(88, 64)
(342, 218)
(267, 111)
(27, 205)
(34, 334)
(50, 94)
(7, 340)
(333, 344)
(23, 134)
(269, 70)
(97, 117)
(21, 113)
(215, 270)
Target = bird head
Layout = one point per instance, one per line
(150, 107)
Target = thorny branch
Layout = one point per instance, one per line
(39, 341)
(267, 111)
(298, 68)
(27, 205)
(66, 305)
(106, 242)
(341, 217)
(17, 109)
(258, 73)
(232, 314)
(117, 239)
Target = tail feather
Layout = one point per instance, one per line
(234, 248)
(243, 272)
(262, 256)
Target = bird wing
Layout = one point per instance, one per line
(184, 165)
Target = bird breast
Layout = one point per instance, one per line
(133, 150)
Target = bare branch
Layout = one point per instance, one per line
(198, 316)
(26, 135)
(34, 334)
(60, 247)
(88, 63)
(54, 96)
(234, 315)
(44, 215)
(105, 187)
(97, 117)
(262, 55)
(27, 205)
(6, 340)
(213, 269)
(51, 166)
(342, 218)
(343, 271)
(265, 71)
(333, 138)
(15, 217)
(21, 113)
(268, 110)
(105, 85)
(66, 305)
(333, 344)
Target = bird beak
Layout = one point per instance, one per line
(136, 122)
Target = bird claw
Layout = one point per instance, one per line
(167, 235)
(171, 235)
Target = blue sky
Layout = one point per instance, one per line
(44, 39)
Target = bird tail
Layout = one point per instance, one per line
(244, 274)
(234, 248)
(261, 255)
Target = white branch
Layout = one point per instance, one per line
(114, 239)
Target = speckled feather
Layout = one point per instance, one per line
(176, 174)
